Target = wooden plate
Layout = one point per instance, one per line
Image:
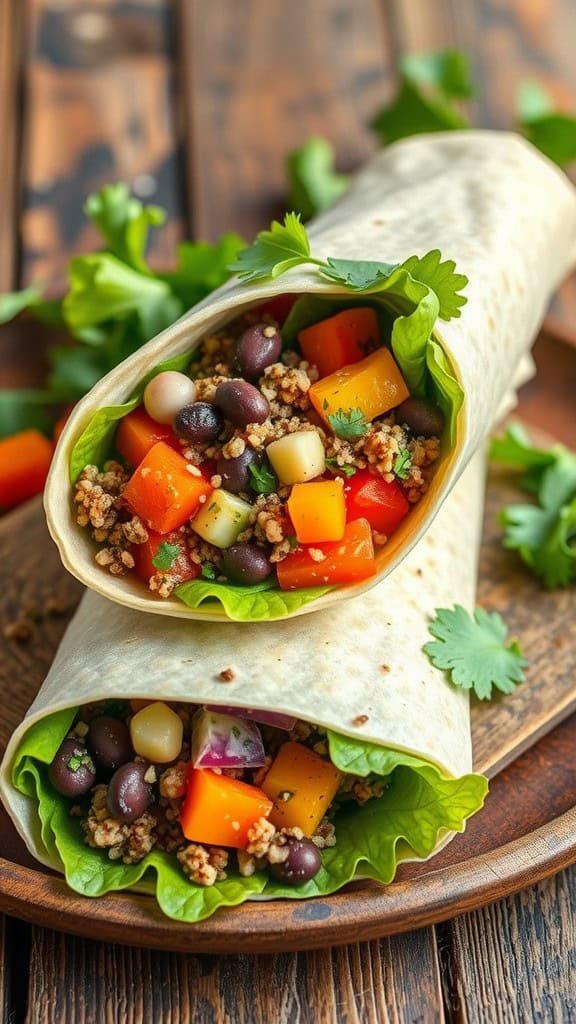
(526, 831)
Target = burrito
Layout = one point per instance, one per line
(209, 764)
(286, 443)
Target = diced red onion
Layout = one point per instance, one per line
(274, 718)
(225, 741)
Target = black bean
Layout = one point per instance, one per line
(235, 472)
(72, 771)
(199, 423)
(241, 402)
(129, 795)
(424, 418)
(303, 862)
(109, 742)
(258, 347)
(246, 563)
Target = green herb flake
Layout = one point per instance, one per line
(165, 556)
(208, 571)
(80, 760)
(473, 650)
(348, 425)
(293, 542)
(333, 465)
(402, 464)
(263, 480)
(235, 732)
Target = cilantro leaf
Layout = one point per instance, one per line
(208, 571)
(165, 556)
(516, 449)
(347, 471)
(124, 223)
(275, 251)
(446, 70)
(312, 180)
(550, 130)
(441, 278)
(262, 480)
(472, 648)
(357, 274)
(402, 464)
(349, 424)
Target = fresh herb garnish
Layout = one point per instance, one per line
(262, 480)
(208, 571)
(292, 541)
(550, 130)
(165, 556)
(275, 251)
(402, 463)
(473, 650)
(544, 534)
(312, 181)
(348, 424)
(348, 471)
(80, 760)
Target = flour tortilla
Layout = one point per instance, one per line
(487, 200)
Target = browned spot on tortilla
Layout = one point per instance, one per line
(360, 720)
(227, 675)
(384, 668)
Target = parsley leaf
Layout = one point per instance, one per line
(164, 557)
(441, 278)
(263, 480)
(312, 180)
(348, 425)
(402, 463)
(275, 251)
(472, 648)
(332, 464)
(429, 84)
(550, 130)
(208, 571)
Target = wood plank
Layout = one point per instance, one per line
(260, 78)
(99, 96)
(10, 71)
(516, 960)
(392, 980)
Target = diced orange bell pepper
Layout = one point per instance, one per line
(318, 510)
(346, 561)
(182, 568)
(138, 433)
(341, 339)
(302, 785)
(374, 385)
(219, 810)
(163, 492)
(24, 463)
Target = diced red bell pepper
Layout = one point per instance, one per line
(138, 433)
(346, 561)
(341, 340)
(163, 491)
(384, 504)
(182, 567)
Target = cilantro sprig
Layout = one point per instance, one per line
(275, 251)
(165, 556)
(474, 652)
(402, 464)
(349, 424)
(544, 532)
(333, 465)
(262, 479)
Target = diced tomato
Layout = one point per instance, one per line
(346, 561)
(278, 307)
(138, 433)
(341, 340)
(384, 504)
(163, 491)
(24, 463)
(182, 567)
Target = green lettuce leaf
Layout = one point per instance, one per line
(248, 604)
(124, 223)
(313, 183)
(418, 806)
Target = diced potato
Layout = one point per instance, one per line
(156, 733)
(222, 518)
(301, 785)
(374, 385)
(297, 457)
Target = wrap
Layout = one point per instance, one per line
(357, 669)
(487, 200)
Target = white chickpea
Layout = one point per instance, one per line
(156, 733)
(167, 393)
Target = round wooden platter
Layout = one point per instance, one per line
(527, 743)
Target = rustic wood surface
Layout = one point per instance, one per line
(316, 71)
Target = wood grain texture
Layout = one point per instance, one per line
(10, 81)
(395, 980)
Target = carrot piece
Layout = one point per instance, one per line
(374, 385)
(24, 464)
(318, 510)
(163, 492)
(219, 810)
(345, 561)
(138, 433)
(341, 339)
(182, 568)
(302, 785)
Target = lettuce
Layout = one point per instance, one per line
(418, 805)
(257, 603)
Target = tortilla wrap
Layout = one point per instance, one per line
(357, 669)
(487, 200)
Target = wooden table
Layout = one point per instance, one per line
(194, 104)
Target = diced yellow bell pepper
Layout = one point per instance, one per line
(301, 785)
(374, 385)
(318, 511)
